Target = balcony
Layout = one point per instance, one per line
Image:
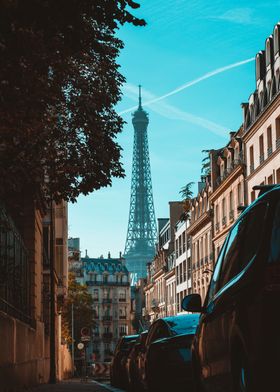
(231, 215)
(278, 143)
(269, 151)
(122, 299)
(107, 300)
(261, 158)
(224, 221)
(122, 317)
(107, 335)
(107, 318)
(217, 226)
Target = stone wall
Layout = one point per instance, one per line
(23, 357)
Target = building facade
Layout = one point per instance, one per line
(160, 291)
(108, 283)
(228, 187)
(182, 263)
(261, 129)
(200, 233)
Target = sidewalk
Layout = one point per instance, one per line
(74, 385)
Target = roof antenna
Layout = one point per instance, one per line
(140, 97)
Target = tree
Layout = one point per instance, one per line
(187, 195)
(59, 84)
(82, 301)
(205, 168)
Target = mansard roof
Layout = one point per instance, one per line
(100, 266)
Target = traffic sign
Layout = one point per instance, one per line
(85, 331)
(80, 346)
(85, 338)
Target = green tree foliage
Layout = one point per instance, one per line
(59, 84)
(205, 168)
(82, 301)
(187, 195)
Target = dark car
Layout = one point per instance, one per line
(237, 344)
(132, 368)
(118, 365)
(166, 360)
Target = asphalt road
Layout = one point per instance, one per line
(77, 385)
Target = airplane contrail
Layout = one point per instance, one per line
(191, 83)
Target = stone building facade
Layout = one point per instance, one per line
(33, 245)
(160, 290)
(182, 263)
(228, 187)
(108, 283)
(201, 234)
(261, 128)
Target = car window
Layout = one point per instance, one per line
(243, 243)
(274, 256)
(232, 253)
(215, 277)
(183, 324)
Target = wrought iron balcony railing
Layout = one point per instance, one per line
(269, 151)
(14, 271)
(107, 318)
(278, 143)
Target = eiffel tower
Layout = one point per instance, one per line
(141, 232)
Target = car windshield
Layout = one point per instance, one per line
(184, 324)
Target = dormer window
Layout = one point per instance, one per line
(276, 39)
(222, 170)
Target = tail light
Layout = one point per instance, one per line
(272, 277)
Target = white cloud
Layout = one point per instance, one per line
(243, 16)
(171, 112)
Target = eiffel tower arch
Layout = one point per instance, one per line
(141, 232)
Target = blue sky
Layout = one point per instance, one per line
(183, 40)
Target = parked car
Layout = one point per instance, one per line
(165, 362)
(133, 380)
(118, 364)
(237, 344)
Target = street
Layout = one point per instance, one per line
(76, 385)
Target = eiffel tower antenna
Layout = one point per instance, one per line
(140, 97)
(141, 232)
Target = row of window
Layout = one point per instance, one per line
(225, 212)
(106, 278)
(183, 271)
(265, 139)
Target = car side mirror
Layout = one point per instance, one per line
(192, 303)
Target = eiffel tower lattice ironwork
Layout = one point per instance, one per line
(141, 232)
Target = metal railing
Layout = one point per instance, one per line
(231, 214)
(269, 151)
(14, 271)
(261, 158)
(278, 143)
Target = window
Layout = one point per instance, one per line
(239, 196)
(251, 159)
(278, 176)
(277, 132)
(214, 281)
(270, 180)
(253, 196)
(269, 141)
(105, 278)
(261, 149)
